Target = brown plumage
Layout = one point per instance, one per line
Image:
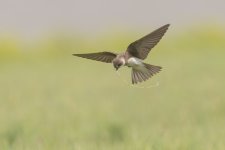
(136, 52)
(142, 47)
(106, 57)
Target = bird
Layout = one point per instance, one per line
(134, 56)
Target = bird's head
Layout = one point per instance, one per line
(117, 63)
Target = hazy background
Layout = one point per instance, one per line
(31, 17)
(50, 99)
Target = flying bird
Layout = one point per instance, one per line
(133, 57)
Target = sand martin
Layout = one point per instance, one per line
(133, 57)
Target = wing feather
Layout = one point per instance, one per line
(106, 57)
(142, 47)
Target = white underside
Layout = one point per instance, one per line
(136, 64)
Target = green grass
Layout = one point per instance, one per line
(75, 104)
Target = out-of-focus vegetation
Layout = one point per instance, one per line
(52, 100)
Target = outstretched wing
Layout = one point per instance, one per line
(106, 57)
(142, 47)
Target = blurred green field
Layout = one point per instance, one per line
(51, 100)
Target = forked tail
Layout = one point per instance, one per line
(143, 75)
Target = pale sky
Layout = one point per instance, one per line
(30, 17)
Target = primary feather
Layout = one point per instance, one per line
(142, 47)
(106, 57)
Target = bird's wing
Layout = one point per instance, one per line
(106, 57)
(142, 47)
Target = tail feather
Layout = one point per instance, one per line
(140, 75)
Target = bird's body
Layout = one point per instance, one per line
(133, 57)
(134, 62)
